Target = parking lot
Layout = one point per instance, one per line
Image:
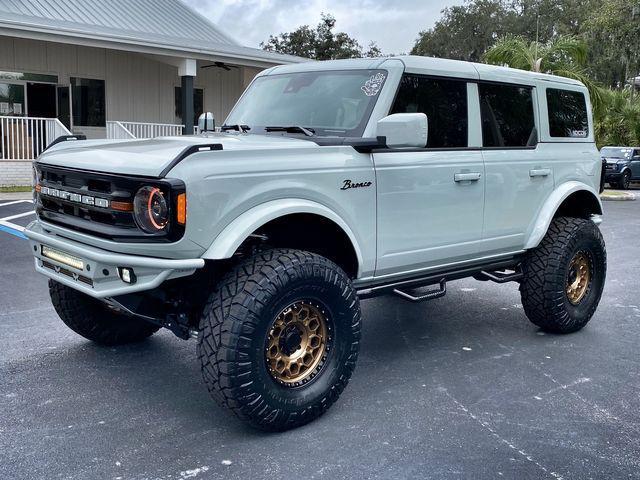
(461, 387)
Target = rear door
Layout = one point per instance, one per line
(430, 200)
(519, 175)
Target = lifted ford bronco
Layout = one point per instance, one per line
(329, 183)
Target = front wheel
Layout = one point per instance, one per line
(564, 276)
(279, 338)
(93, 320)
(625, 182)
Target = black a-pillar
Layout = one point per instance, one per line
(187, 72)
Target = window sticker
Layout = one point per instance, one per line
(372, 86)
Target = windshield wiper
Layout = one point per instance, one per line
(309, 132)
(236, 127)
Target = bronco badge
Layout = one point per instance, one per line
(347, 184)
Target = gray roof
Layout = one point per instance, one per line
(161, 23)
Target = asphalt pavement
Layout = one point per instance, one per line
(460, 387)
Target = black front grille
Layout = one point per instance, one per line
(103, 222)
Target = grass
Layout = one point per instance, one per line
(15, 188)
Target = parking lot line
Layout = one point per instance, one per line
(18, 215)
(12, 229)
(14, 202)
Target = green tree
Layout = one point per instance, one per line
(564, 55)
(613, 33)
(467, 31)
(617, 120)
(321, 43)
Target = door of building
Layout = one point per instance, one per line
(64, 105)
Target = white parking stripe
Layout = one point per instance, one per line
(12, 225)
(13, 217)
(15, 202)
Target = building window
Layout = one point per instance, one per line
(11, 99)
(198, 104)
(567, 114)
(507, 116)
(88, 102)
(445, 104)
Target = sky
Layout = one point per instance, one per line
(392, 24)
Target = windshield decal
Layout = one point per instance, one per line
(372, 86)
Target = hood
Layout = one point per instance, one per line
(150, 158)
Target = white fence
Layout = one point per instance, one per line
(125, 130)
(24, 138)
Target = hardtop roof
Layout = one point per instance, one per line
(431, 65)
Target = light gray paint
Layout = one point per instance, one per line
(415, 219)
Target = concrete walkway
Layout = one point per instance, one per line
(15, 196)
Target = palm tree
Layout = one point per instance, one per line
(618, 122)
(565, 55)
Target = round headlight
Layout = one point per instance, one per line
(150, 209)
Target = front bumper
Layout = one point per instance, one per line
(612, 176)
(99, 276)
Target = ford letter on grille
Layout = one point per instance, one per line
(75, 197)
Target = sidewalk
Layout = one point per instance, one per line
(5, 197)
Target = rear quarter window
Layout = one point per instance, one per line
(567, 114)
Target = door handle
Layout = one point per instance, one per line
(540, 172)
(467, 177)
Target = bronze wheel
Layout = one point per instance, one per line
(297, 343)
(564, 276)
(578, 277)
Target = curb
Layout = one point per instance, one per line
(617, 196)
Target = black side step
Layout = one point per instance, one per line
(499, 277)
(430, 295)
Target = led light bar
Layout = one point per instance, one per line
(62, 257)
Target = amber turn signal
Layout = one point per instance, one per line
(181, 216)
(122, 206)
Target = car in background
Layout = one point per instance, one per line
(622, 165)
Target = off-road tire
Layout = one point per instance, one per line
(93, 320)
(546, 269)
(236, 323)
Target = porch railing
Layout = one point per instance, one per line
(126, 130)
(24, 138)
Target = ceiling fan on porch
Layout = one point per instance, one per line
(222, 65)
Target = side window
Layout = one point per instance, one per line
(507, 115)
(443, 101)
(567, 114)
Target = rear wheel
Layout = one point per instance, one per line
(564, 276)
(279, 338)
(93, 320)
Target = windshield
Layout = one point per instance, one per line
(616, 152)
(328, 103)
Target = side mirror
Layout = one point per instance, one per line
(404, 130)
(206, 122)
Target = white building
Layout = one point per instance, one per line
(103, 67)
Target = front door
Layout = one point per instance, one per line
(430, 200)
